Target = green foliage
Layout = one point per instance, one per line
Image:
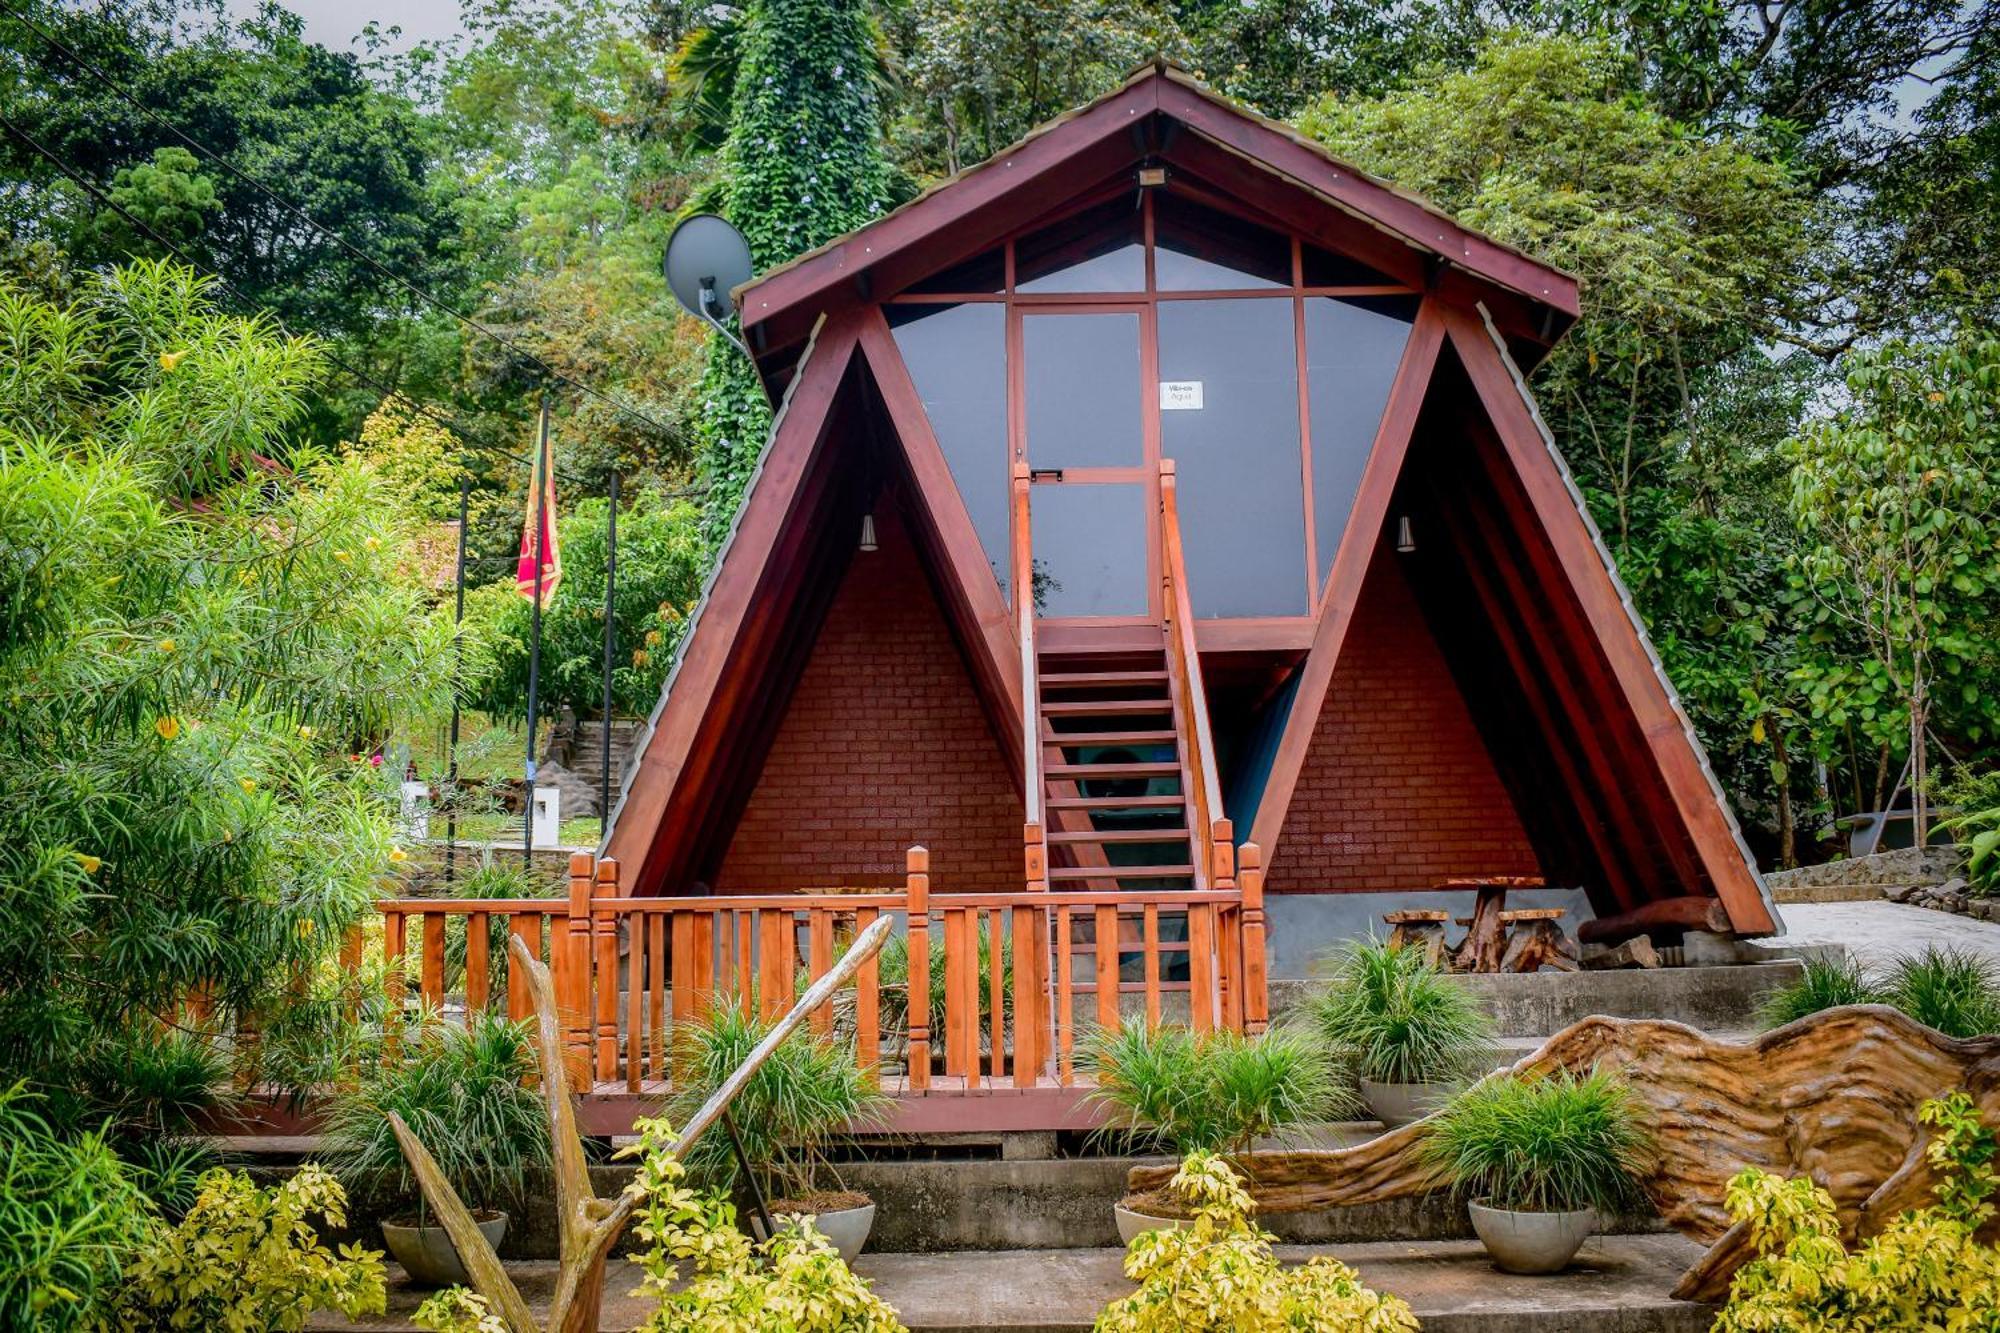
(171, 198)
(803, 163)
(809, 1090)
(1556, 1143)
(196, 619)
(1393, 1018)
(1976, 795)
(1218, 1274)
(1923, 1270)
(1827, 983)
(1895, 495)
(68, 1213)
(659, 573)
(706, 1274)
(1213, 1091)
(1953, 990)
(456, 1310)
(468, 1094)
(250, 1259)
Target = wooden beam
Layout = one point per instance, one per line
(1350, 568)
(768, 509)
(1696, 799)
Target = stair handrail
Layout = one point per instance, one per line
(1034, 836)
(1214, 850)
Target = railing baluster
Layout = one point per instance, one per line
(996, 989)
(431, 978)
(527, 928)
(477, 963)
(819, 961)
(604, 931)
(867, 1000)
(775, 936)
(1065, 998)
(745, 976)
(570, 966)
(1250, 881)
(1106, 928)
(1201, 969)
(635, 999)
(656, 977)
(917, 888)
(1028, 965)
(1152, 958)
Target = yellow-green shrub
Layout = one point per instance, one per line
(795, 1282)
(456, 1310)
(247, 1260)
(1218, 1273)
(1924, 1271)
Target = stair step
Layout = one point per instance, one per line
(1115, 802)
(1122, 835)
(1163, 736)
(1105, 707)
(1121, 872)
(1112, 770)
(1080, 680)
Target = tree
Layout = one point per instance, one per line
(660, 564)
(1898, 497)
(198, 622)
(803, 163)
(171, 198)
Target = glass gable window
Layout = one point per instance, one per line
(1101, 249)
(1198, 249)
(957, 357)
(1352, 350)
(1235, 446)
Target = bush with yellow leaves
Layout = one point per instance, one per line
(457, 1310)
(708, 1277)
(1924, 1271)
(1218, 1273)
(247, 1260)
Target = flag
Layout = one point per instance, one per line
(542, 498)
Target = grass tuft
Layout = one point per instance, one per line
(1553, 1144)
(1214, 1091)
(1393, 1018)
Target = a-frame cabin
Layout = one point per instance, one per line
(1159, 487)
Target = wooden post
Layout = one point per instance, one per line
(1250, 878)
(604, 932)
(570, 952)
(350, 972)
(1028, 964)
(917, 885)
(1222, 872)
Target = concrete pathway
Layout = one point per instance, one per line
(1879, 932)
(1618, 1284)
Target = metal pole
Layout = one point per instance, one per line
(539, 477)
(610, 646)
(457, 661)
(749, 1176)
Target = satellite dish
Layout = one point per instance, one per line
(706, 257)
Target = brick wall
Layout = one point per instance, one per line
(1397, 791)
(884, 744)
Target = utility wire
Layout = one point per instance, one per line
(468, 321)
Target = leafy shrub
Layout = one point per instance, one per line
(1977, 797)
(805, 1093)
(456, 1310)
(247, 1258)
(1394, 1018)
(794, 1282)
(1219, 1273)
(1925, 1270)
(1557, 1143)
(68, 1213)
(1954, 991)
(1827, 983)
(467, 1093)
(1213, 1091)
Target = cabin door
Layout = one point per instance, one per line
(1083, 423)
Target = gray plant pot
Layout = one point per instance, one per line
(427, 1254)
(1131, 1224)
(1532, 1242)
(847, 1228)
(1399, 1104)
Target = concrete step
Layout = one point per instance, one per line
(1618, 1284)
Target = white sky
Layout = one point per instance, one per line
(336, 23)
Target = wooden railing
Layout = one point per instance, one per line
(629, 971)
(1210, 830)
(1034, 827)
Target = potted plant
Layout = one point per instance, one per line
(1184, 1092)
(809, 1090)
(469, 1094)
(1410, 1034)
(1539, 1161)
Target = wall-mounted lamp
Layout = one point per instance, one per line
(868, 532)
(1406, 542)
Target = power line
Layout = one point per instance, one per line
(468, 321)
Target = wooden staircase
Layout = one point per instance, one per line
(1115, 779)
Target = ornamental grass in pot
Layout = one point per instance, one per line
(809, 1091)
(1539, 1161)
(1410, 1035)
(469, 1094)
(1183, 1092)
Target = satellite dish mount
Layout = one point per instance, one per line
(707, 258)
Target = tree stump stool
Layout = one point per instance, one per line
(1421, 929)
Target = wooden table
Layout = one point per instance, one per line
(1492, 942)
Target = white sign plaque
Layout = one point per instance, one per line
(1180, 395)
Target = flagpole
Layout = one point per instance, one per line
(540, 480)
(610, 643)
